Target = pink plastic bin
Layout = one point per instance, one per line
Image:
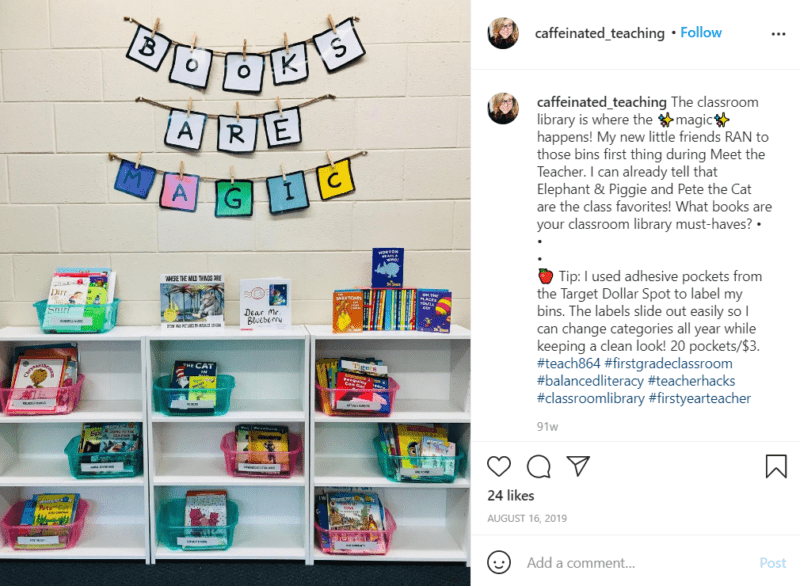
(26, 537)
(356, 407)
(239, 464)
(357, 542)
(65, 398)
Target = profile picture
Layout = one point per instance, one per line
(503, 33)
(503, 108)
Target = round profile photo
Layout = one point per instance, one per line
(503, 108)
(503, 33)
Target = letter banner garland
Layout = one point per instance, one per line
(286, 192)
(338, 47)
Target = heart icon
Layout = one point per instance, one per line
(499, 465)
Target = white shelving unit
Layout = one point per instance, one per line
(270, 369)
(31, 447)
(433, 371)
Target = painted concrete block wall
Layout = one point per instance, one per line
(67, 98)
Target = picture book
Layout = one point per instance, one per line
(265, 303)
(187, 374)
(192, 301)
(206, 515)
(110, 438)
(348, 313)
(28, 511)
(363, 367)
(321, 515)
(359, 512)
(77, 298)
(348, 380)
(67, 350)
(39, 373)
(438, 455)
(433, 310)
(387, 267)
(55, 509)
(269, 444)
(409, 440)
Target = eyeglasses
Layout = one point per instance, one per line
(507, 102)
(511, 26)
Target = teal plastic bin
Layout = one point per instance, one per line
(175, 535)
(102, 465)
(179, 402)
(431, 469)
(71, 319)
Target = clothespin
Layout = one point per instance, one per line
(237, 111)
(231, 174)
(283, 172)
(330, 159)
(280, 107)
(181, 171)
(244, 51)
(333, 26)
(189, 108)
(194, 41)
(286, 42)
(138, 159)
(155, 28)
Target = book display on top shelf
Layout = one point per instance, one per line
(79, 300)
(192, 301)
(387, 268)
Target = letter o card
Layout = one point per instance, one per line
(283, 130)
(339, 48)
(290, 67)
(234, 199)
(148, 49)
(185, 131)
(243, 75)
(237, 136)
(191, 67)
(134, 181)
(288, 195)
(177, 194)
(335, 181)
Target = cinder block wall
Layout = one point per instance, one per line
(66, 99)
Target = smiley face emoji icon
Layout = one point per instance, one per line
(499, 562)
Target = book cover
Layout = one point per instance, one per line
(265, 303)
(348, 313)
(39, 373)
(409, 441)
(268, 445)
(68, 351)
(348, 380)
(356, 512)
(55, 509)
(363, 367)
(205, 516)
(387, 267)
(192, 301)
(77, 297)
(187, 374)
(433, 310)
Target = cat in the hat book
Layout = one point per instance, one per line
(199, 380)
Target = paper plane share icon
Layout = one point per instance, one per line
(579, 462)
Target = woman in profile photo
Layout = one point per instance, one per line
(503, 108)
(503, 33)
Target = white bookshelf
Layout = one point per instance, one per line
(32, 458)
(433, 371)
(270, 369)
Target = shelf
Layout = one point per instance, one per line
(326, 333)
(96, 542)
(337, 471)
(246, 411)
(409, 544)
(34, 334)
(103, 411)
(278, 542)
(210, 471)
(54, 471)
(408, 411)
(228, 333)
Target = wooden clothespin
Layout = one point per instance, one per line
(155, 28)
(237, 111)
(194, 41)
(330, 159)
(231, 174)
(244, 51)
(280, 107)
(189, 108)
(181, 171)
(283, 172)
(286, 42)
(333, 26)
(138, 159)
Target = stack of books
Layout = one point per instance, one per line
(351, 512)
(423, 310)
(354, 384)
(45, 510)
(41, 373)
(262, 449)
(78, 297)
(105, 445)
(417, 450)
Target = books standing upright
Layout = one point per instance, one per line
(387, 267)
(265, 303)
(348, 311)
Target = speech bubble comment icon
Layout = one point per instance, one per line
(539, 466)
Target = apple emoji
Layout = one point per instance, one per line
(545, 276)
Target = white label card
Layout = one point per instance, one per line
(200, 541)
(184, 131)
(421, 472)
(237, 136)
(148, 49)
(42, 540)
(244, 75)
(245, 467)
(191, 67)
(102, 467)
(290, 67)
(358, 406)
(183, 404)
(360, 545)
(339, 48)
(33, 404)
(283, 130)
